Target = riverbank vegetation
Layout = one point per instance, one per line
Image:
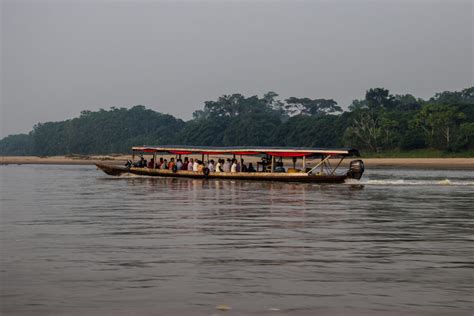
(380, 124)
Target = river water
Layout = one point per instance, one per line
(75, 241)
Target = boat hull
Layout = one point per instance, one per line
(113, 170)
(254, 176)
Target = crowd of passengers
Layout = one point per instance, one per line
(222, 165)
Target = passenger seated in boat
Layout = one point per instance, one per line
(151, 164)
(171, 164)
(279, 166)
(179, 164)
(233, 167)
(200, 166)
(251, 168)
(219, 166)
(191, 164)
(211, 167)
(227, 165)
(159, 163)
(141, 163)
(195, 165)
(222, 165)
(164, 165)
(185, 164)
(243, 168)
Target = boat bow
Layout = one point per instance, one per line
(112, 170)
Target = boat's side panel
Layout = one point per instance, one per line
(260, 176)
(257, 176)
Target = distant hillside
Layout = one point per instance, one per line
(381, 122)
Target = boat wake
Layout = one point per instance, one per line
(380, 182)
(410, 182)
(132, 175)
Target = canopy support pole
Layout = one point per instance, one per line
(154, 160)
(304, 163)
(273, 163)
(319, 164)
(340, 161)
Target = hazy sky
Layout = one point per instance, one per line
(62, 57)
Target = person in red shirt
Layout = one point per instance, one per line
(151, 163)
(185, 164)
(171, 164)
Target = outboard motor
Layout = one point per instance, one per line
(356, 169)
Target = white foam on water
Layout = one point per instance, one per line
(132, 175)
(445, 182)
(406, 182)
(383, 182)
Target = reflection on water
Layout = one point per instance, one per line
(76, 241)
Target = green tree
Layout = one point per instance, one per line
(315, 107)
(234, 120)
(16, 145)
(382, 121)
(440, 124)
(271, 101)
(466, 136)
(378, 98)
(465, 96)
(312, 131)
(364, 131)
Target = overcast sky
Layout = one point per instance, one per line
(62, 57)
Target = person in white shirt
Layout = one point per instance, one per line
(233, 168)
(179, 164)
(196, 166)
(218, 166)
(211, 167)
(191, 164)
(227, 165)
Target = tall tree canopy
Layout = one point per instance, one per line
(316, 107)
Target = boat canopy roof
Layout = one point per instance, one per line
(272, 151)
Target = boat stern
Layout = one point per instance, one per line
(356, 169)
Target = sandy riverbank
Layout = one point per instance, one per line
(423, 163)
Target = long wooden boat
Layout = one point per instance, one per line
(269, 169)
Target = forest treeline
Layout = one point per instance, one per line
(379, 122)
